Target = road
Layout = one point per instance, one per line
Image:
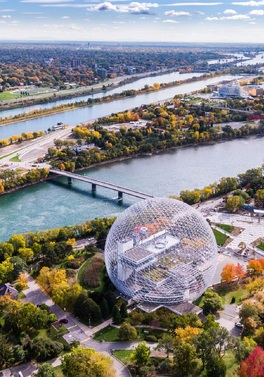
(76, 331)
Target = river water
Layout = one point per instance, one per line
(73, 117)
(55, 204)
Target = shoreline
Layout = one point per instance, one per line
(124, 158)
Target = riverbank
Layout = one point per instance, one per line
(61, 95)
(111, 97)
(126, 158)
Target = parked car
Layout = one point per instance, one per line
(239, 325)
(63, 320)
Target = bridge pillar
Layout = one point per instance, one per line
(93, 188)
(120, 195)
(69, 180)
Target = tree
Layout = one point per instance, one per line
(5, 351)
(212, 302)
(233, 203)
(184, 358)
(243, 347)
(253, 365)
(141, 354)
(127, 332)
(254, 267)
(259, 198)
(117, 319)
(85, 362)
(215, 367)
(45, 370)
(166, 343)
(44, 348)
(228, 273)
(123, 310)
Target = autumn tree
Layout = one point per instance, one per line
(228, 273)
(86, 362)
(253, 365)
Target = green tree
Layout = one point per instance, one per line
(215, 367)
(85, 362)
(127, 332)
(233, 203)
(123, 310)
(44, 348)
(45, 370)
(141, 354)
(117, 319)
(212, 302)
(5, 351)
(184, 358)
(259, 198)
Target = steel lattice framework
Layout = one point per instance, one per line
(161, 251)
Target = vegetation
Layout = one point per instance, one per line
(221, 238)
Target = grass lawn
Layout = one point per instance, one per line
(220, 237)
(58, 371)
(108, 334)
(7, 95)
(15, 159)
(124, 356)
(228, 291)
(226, 227)
(261, 246)
(231, 364)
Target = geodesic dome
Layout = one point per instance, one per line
(161, 251)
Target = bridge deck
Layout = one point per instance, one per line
(96, 182)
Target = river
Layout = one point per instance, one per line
(85, 114)
(55, 204)
(136, 85)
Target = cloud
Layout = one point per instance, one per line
(192, 4)
(171, 21)
(199, 13)
(212, 18)
(177, 14)
(230, 11)
(6, 16)
(236, 17)
(133, 8)
(46, 1)
(249, 3)
(257, 12)
(65, 17)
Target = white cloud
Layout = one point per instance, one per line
(133, 8)
(236, 17)
(249, 3)
(212, 18)
(177, 14)
(192, 4)
(65, 17)
(46, 1)
(6, 16)
(230, 11)
(171, 21)
(257, 12)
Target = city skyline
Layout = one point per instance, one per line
(117, 20)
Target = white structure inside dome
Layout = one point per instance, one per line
(161, 251)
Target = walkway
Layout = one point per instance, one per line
(77, 331)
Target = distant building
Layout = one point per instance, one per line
(102, 72)
(80, 148)
(76, 63)
(253, 90)
(8, 289)
(231, 91)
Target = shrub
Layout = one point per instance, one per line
(91, 274)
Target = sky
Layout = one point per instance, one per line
(133, 21)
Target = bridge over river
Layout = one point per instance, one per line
(94, 182)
